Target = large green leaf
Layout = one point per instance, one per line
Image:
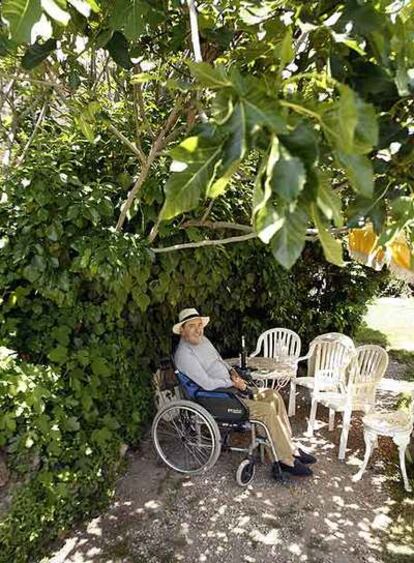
(288, 242)
(129, 16)
(302, 142)
(266, 220)
(352, 124)
(309, 193)
(55, 11)
(329, 202)
(198, 157)
(269, 220)
(358, 169)
(58, 354)
(84, 7)
(100, 367)
(401, 217)
(21, 15)
(209, 76)
(288, 175)
(37, 53)
(234, 150)
(86, 120)
(6, 44)
(363, 208)
(286, 51)
(347, 118)
(367, 130)
(264, 111)
(332, 248)
(118, 49)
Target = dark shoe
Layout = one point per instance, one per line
(305, 458)
(298, 469)
(278, 474)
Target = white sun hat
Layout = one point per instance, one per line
(186, 315)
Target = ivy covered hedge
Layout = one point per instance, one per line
(89, 312)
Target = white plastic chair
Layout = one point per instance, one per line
(331, 336)
(326, 356)
(283, 344)
(278, 343)
(358, 391)
(397, 425)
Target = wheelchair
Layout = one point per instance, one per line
(190, 432)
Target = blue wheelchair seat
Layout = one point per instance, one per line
(223, 403)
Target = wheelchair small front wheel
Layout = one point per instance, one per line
(186, 437)
(245, 472)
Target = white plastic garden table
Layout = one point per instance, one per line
(274, 373)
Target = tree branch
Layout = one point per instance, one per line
(185, 128)
(135, 190)
(202, 243)
(146, 165)
(141, 106)
(217, 225)
(133, 148)
(12, 132)
(5, 92)
(241, 238)
(36, 81)
(32, 136)
(195, 40)
(169, 124)
(208, 210)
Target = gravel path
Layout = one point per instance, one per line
(159, 516)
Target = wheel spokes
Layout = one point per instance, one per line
(185, 439)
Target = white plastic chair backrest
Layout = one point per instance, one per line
(278, 343)
(330, 359)
(370, 366)
(337, 336)
(328, 337)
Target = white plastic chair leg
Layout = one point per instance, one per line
(344, 434)
(402, 442)
(292, 399)
(331, 420)
(370, 439)
(312, 417)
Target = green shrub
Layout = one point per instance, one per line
(97, 306)
(367, 335)
(407, 358)
(62, 467)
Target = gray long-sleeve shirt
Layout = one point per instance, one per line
(203, 364)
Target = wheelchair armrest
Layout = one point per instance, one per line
(223, 403)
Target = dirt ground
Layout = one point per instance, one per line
(159, 516)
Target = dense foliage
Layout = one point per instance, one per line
(318, 94)
(295, 127)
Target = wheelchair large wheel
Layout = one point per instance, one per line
(186, 437)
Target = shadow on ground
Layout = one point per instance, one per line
(159, 516)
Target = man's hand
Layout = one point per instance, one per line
(238, 382)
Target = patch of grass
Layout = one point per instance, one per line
(367, 335)
(404, 357)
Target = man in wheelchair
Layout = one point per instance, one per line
(198, 359)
